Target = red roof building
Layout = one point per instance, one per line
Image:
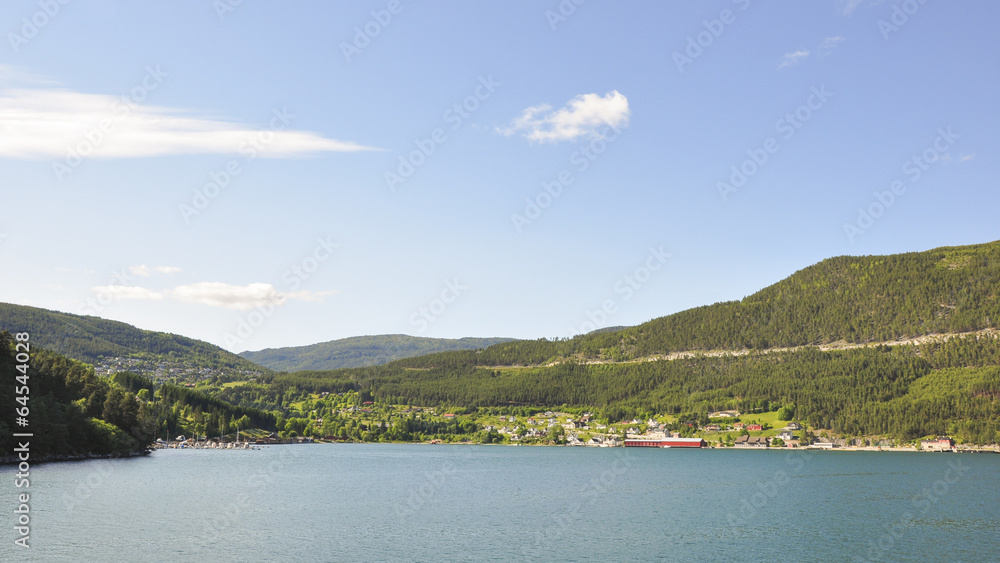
(666, 443)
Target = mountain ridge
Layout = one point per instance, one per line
(93, 339)
(360, 351)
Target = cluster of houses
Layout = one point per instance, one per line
(162, 371)
(786, 435)
(539, 427)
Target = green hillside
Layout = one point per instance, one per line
(849, 298)
(72, 412)
(902, 391)
(88, 339)
(361, 351)
(854, 299)
(69, 410)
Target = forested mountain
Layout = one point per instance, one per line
(68, 409)
(360, 351)
(72, 412)
(849, 298)
(906, 391)
(88, 338)
(854, 299)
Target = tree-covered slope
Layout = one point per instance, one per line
(88, 338)
(69, 410)
(360, 351)
(854, 299)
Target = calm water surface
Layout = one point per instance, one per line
(467, 503)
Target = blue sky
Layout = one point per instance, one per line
(281, 174)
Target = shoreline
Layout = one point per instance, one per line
(13, 461)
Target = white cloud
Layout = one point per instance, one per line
(583, 116)
(218, 294)
(239, 297)
(830, 43)
(966, 157)
(44, 122)
(145, 271)
(792, 58)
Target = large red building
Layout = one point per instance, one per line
(665, 443)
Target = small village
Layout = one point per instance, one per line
(163, 371)
(325, 415)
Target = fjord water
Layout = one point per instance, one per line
(391, 502)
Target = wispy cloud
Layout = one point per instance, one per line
(215, 294)
(313, 296)
(946, 158)
(848, 6)
(792, 58)
(583, 116)
(38, 121)
(830, 43)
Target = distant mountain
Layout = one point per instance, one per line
(361, 351)
(88, 339)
